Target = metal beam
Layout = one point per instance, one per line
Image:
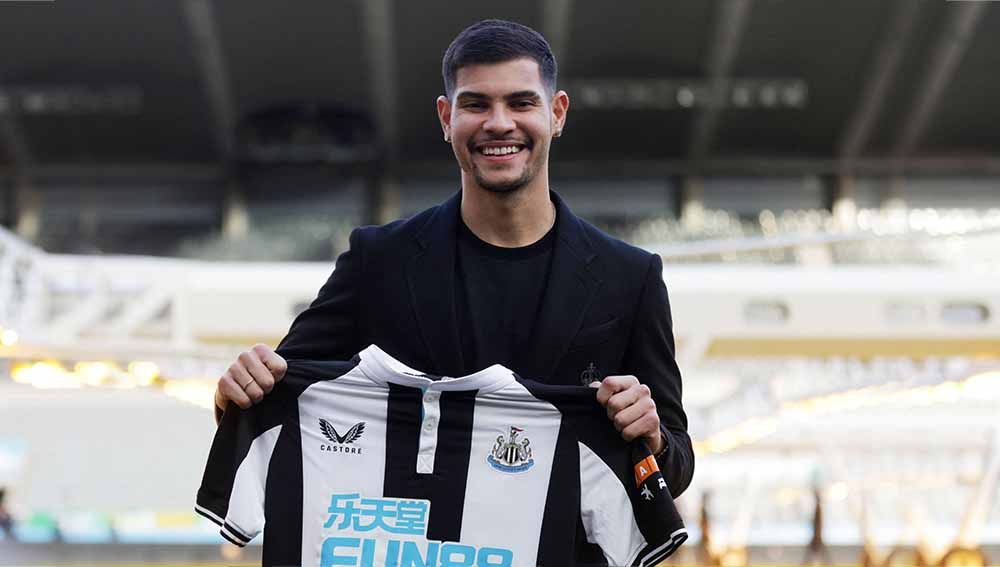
(214, 73)
(963, 17)
(444, 169)
(12, 136)
(880, 78)
(22, 200)
(187, 172)
(379, 44)
(729, 24)
(555, 26)
(742, 165)
(215, 79)
(383, 196)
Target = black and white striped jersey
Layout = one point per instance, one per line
(369, 462)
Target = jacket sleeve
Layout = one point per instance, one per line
(651, 356)
(328, 329)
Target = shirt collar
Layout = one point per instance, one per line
(382, 368)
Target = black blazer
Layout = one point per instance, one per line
(605, 304)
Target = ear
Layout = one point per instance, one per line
(560, 108)
(444, 115)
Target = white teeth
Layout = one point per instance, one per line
(501, 151)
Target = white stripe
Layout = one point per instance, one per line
(233, 534)
(515, 501)
(606, 510)
(350, 399)
(654, 556)
(209, 513)
(429, 431)
(246, 502)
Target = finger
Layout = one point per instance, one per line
(231, 391)
(594, 384)
(644, 426)
(621, 382)
(260, 374)
(246, 382)
(632, 413)
(625, 398)
(611, 386)
(272, 360)
(255, 392)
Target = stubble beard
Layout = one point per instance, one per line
(507, 187)
(504, 187)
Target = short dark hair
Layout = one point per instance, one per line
(497, 41)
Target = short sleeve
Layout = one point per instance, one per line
(625, 504)
(233, 485)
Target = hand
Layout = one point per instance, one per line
(253, 375)
(631, 408)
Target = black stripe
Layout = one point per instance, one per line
(562, 503)
(402, 430)
(284, 493)
(582, 418)
(239, 428)
(657, 518)
(229, 447)
(445, 487)
(451, 465)
(589, 424)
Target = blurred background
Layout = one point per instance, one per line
(821, 178)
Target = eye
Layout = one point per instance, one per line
(523, 103)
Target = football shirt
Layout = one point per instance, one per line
(369, 462)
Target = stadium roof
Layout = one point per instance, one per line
(748, 86)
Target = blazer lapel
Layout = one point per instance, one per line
(431, 277)
(571, 287)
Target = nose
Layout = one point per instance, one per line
(499, 120)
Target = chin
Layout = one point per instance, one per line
(503, 185)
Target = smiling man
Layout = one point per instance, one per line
(503, 272)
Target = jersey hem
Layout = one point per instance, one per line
(665, 549)
(228, 531)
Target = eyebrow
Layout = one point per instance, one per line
(508, 97)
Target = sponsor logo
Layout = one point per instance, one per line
(645, 469)
(339, 443)
(358, 530)
(647, 493)
(510, 454)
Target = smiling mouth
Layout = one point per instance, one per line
(500, 149)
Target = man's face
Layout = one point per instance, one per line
(501, 123)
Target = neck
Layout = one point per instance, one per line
(509, 220)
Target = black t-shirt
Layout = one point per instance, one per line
(498, 295)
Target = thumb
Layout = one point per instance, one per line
(595, 384)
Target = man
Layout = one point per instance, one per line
(502, 272)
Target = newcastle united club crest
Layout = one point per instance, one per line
(511, 454)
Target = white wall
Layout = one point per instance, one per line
(106, 450)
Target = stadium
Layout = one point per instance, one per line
(820, 179)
